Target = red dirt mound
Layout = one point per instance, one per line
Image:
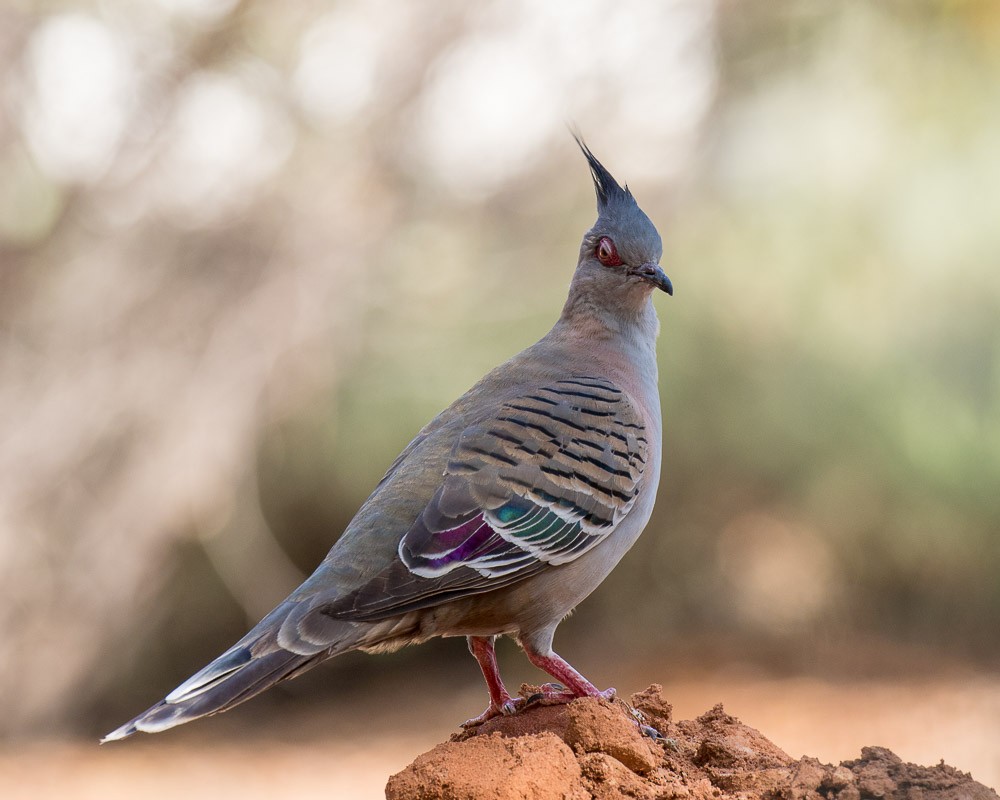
(591, 749)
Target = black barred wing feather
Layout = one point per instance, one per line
(542, 482)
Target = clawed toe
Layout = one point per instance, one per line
(475, 722)
(512, 706)
(548, 694)
(506, 709)
(549, 698)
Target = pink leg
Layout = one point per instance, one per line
(500, 700)
(576, 685)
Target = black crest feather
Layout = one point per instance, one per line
(609, 193)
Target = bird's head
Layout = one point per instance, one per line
(623, 249)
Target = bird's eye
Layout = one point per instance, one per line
(607, 253)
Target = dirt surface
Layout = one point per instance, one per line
(348, 747)
(591, 749)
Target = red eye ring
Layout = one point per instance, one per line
(607, 253)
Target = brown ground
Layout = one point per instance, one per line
(593, 750)
(348, 747)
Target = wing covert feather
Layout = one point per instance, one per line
(539, 483)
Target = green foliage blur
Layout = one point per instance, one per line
(306, 230)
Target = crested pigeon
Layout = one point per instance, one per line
(505, 511)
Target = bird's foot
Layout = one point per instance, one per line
(505, 709)
(549, 694)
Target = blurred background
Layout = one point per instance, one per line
(248, 249)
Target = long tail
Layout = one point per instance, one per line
(253, 664)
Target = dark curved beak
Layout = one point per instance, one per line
(655, 275)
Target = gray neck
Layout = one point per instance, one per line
(611, 310)
(622, 321)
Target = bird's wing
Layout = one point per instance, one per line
(539, 483)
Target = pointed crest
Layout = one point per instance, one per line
(609, 193)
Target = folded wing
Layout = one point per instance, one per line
(538, 484)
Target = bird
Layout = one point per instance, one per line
(503, 513)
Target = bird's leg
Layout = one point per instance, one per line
(500, 700)
(539, 652)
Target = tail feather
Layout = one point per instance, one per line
(255, 663)
(215, 673)
(228, 689)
